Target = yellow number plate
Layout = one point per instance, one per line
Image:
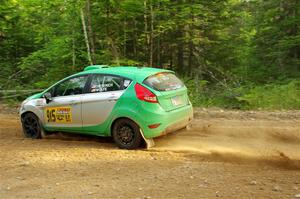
(58, 114)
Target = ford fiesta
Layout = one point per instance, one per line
(131, 104)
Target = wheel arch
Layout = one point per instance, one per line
(143, 142)
(118, 118)
(26, 112)
(37, 111)
(35, 114)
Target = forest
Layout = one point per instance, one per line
(235, 54)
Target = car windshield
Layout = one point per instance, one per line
(163, 82)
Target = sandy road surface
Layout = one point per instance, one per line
(224, 155)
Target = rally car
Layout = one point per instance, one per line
(131, 104)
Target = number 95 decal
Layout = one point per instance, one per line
(58, 114)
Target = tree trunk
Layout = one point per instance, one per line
(114, 49)
(135, 38)
(106, 18)
(91, 38)
(296, 30)
(73, 50)
(146, 28)
(158, 60)
(109, 37)
(190, 31)
(151, 35)
(197, 80)
(86, 37)
(124, 38)
(180, 46)
(190, 60)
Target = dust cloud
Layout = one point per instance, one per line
(262, 141)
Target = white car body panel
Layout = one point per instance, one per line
(96, 107)
(34, 105)
(87, 109)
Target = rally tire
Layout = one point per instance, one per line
(126, 134)
(32, 126)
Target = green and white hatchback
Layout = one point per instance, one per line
(131, 104)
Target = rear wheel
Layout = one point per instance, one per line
(31, 126)
(126, 134)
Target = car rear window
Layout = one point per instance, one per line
(163, 82)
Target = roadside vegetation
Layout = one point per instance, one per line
(234, 54)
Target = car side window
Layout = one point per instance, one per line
(73, 86)
(105, 83)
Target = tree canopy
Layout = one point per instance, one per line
(226, 50)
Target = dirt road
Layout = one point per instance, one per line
(224, 155)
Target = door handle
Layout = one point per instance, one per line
(74, 102)
(112, 98)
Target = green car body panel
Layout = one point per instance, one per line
(165, 116)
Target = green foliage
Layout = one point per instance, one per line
(276, 44)
(268, 97)
(273, 96)
(47, 62)
(216, 96)
(232, 53)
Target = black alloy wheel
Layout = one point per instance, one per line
(31, 126)
(126, 134)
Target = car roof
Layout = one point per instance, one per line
(138, 73)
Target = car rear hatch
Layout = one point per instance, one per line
(170, 91)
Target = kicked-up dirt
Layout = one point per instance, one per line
(225, 154)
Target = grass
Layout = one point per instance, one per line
(267, 97)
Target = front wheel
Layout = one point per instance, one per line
(126, 134)
(31, 126)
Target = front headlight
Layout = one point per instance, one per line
(23, 103)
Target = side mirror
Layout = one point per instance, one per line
(48, 97)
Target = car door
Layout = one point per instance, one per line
(103, 93)
(64, 110)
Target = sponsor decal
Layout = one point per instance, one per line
(59, 114)
(101, 88)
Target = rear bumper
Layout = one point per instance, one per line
(169, 121)
(176, 126)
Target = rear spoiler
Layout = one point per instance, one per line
(93, 67)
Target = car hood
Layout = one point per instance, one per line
(35, 96)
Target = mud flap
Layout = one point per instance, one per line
(149, 142)
(43, 132)
(188, 127)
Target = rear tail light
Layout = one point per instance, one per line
(145, 94)
(153, 126)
